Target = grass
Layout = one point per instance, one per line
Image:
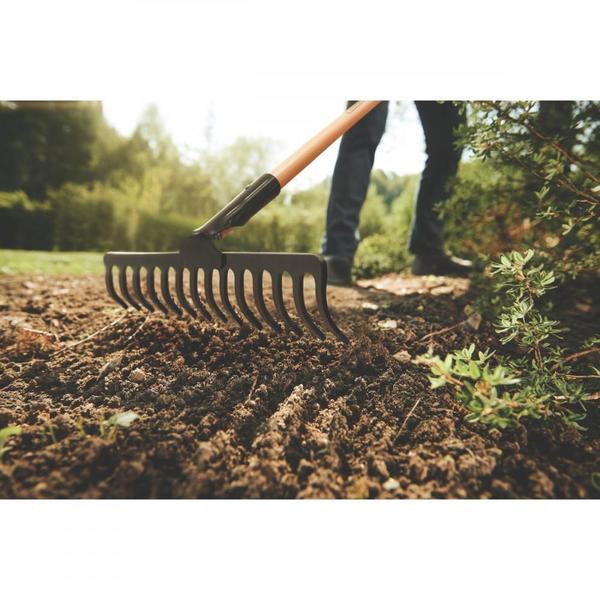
(28, 262)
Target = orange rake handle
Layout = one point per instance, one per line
(267, 187)
(299, 160)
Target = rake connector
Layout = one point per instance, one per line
(135, 273)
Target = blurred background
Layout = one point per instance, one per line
(95, 176)
(86, 177)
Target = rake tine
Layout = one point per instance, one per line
(280, 306)
(180, 294)
(164, 288)
(137, 288)
(152, 291)
(124, 290)
(257, 292)
(298, 290)
(195, 296)
(210, 297)
(223, 277)
(321, 295)
(110, 288)
(241, 299)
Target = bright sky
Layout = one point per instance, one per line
(194, 125)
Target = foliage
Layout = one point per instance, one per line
(5, 434)
(385, 224)
(378, 254)
(534, 183)
(546, 386)
(46, 144)
(24, 223)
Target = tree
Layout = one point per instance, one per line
(45, 144)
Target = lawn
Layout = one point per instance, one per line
(25, 262)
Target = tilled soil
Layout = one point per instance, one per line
(229, 413)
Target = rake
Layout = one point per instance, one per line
(198, 255)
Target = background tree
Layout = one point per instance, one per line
(45, 144)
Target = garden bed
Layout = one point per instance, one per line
(226, 413)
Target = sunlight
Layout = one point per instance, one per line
(212, 124)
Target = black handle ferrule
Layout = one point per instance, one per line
(243, 207)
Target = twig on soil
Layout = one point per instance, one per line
(39, 332)
(138, 329)
(408, 416)
(249, 396)
(576, 356)
(89, 337)
(582, 376)
(445, 330)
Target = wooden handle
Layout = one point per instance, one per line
(290, 167)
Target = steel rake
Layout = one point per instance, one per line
(198, 255)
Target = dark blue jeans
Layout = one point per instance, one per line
(353, 171)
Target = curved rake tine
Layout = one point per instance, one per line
(180, 294)
(164, 288)
(137, 288)
(277, 281)
(298, 290)
(321, 295)
(223, 277)
(259, 300)
(210, 297)
(110, 287)
(124, 290)
(241, 299)
(195, 296)
(152, 291)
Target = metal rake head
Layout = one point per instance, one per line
(199, 254)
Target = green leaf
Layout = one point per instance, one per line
(5, 434)
(8, 432)
(474, 370)
(437, 382)
(124, 419)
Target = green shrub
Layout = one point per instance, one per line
(537, 382)
(380, 253)
(534, 183)
(23, 223)
(160, 233)
(84, 219)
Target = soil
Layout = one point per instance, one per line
(233, 413)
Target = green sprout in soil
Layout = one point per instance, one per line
(5, 434)
(48, 432)
(109, 427)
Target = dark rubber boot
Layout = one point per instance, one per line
(441, 264)
(339, 270)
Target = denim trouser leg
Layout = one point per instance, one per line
(439, 121)
(350, 182)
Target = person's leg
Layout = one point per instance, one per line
(439, 121)
(350, 182)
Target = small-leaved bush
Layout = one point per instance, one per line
(534, 378)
